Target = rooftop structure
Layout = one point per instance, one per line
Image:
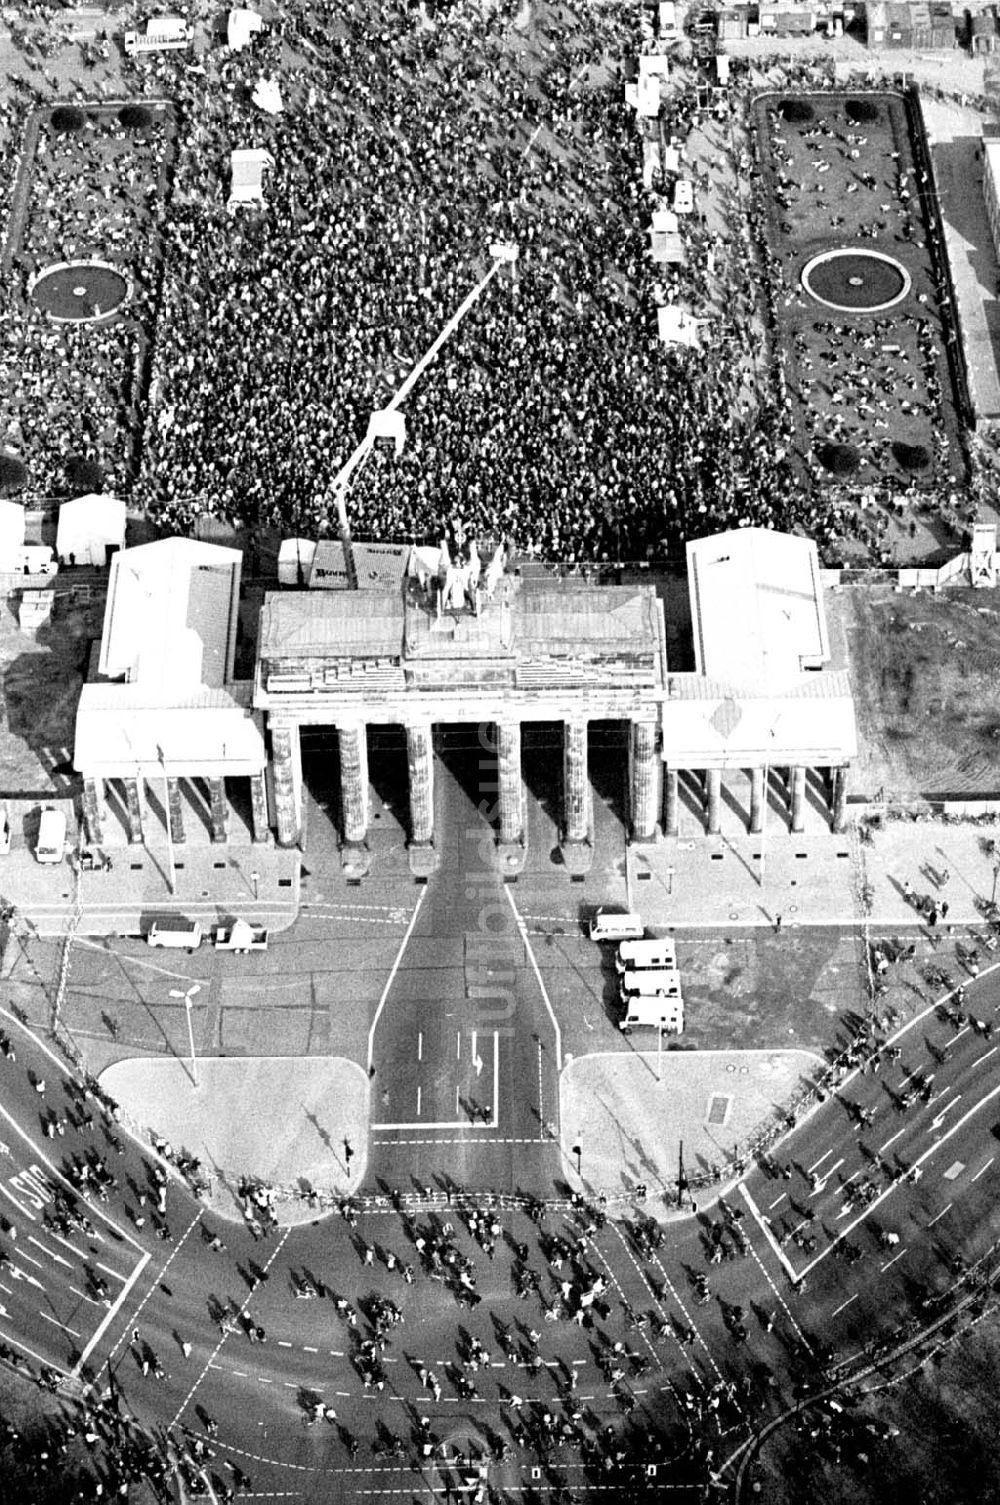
(162, 703)
(756, 607)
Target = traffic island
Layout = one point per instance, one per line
(649, 1119)
(299, 1126)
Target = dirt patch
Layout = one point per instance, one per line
(926, 694)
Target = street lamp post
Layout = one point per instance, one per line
(502, 254)
(188, 998)
(659, 1050)
(255, 880)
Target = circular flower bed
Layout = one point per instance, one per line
(77, 292)
(13, 474)
(67, 119)
(798, 111)
(135, 117)
(840, 459)
(853, 281)
(861, 111)
(84, 474)
(913, 457)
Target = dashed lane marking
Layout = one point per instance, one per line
(844, 1305)
(218, 1347)
(128, 1286)
(776, 1249)
(984, 1169)
(781, 1300)
(891, 1262)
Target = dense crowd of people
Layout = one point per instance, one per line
(553, 416)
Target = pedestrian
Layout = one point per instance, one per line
(348, 1153)
(777, 923)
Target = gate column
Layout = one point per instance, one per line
(286, 766)
(353, 737)
(646, 775)
(576, 849)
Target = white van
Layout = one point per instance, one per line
(649, 985)
(51, 843)
(654, 1013)
(162, 34)
(646, 955)
(616, 925)
(683, 196)
(181, 933)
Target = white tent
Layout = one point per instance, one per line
(267, 96)
(89, 526)
(676, 327)
(11, 536)
(247, 168)
(241, 26)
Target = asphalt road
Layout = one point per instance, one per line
(698, 1371)
(464, 1047)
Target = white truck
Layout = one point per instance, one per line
(647, 956)
(665, 1014)
(240, 937)
(661, 984)
(162, 34)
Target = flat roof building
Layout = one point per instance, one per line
(161, 703)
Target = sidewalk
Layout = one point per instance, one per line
(813, 879)
(214, 883)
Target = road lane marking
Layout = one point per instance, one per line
(71, 1330)
(48, 1363)
(284, 1343)
(22, 1210)
(758, 1218)
(56, 1174)
(937, 1218)
(419, 1095)
(392, 976)
(810, 1169)
(246, 1302)
(892, 1261)
(931, 1149)
(523, 930)
(112, 1312)
(496, 1077)
(307, 1349)
(458, 1045)
(937, 1122)
(149, 1294)
(777, 1201)
(892, 1139)
(115, 1274)
(845, 1304)
(984, 1169)
(420, 1045)
(50, 1252)
(31, 1259)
